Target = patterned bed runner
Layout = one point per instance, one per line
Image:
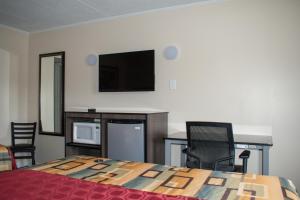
(163, 179)
(6, 161)
(34, 185)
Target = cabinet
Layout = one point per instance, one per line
(156, 129)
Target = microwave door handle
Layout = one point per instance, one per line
(74, 133)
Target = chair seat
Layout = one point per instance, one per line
(230, 168)
(226, 168)
(209, 166)
(22, 148)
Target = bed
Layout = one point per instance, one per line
(7, 162)
(147, 181)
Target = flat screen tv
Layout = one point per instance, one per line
(126, 72)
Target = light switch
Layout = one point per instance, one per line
(172, 84)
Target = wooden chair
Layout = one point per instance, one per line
(23, 132)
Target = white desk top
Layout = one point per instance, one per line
(238, 138)
(116, 110)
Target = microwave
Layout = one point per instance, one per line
(87, 132)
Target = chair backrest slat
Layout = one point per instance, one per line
(23, 128)
(25, 124)
(23, 137)
(23, 131)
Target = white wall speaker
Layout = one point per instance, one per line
(91, 59)
(171, 52)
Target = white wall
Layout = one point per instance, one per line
(14, 80)
(239, 63)
(4, 91)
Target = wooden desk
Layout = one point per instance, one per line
(251, 142)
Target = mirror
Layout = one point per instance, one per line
(51, 94)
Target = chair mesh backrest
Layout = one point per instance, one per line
(211, 140)
(23, 131)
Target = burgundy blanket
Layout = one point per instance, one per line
(34, 185)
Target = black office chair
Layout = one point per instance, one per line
(211, 146)
(23, 131)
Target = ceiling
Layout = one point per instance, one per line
(38, 15)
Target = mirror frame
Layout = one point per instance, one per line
(41, 132)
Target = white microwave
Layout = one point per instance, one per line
(87, 133)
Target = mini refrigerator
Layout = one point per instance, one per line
(126, 140)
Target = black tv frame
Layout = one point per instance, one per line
(136, 90)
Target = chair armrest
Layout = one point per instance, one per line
(221, 160)
(189, 153)
(245, 156)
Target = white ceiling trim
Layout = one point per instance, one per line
(14, 29)
(128, 15)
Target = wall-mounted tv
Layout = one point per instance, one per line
(125, 72)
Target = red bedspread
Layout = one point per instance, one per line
(34, 185)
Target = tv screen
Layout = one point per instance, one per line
(131, 71)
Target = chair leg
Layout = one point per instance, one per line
(245, 164)
(33, 159)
